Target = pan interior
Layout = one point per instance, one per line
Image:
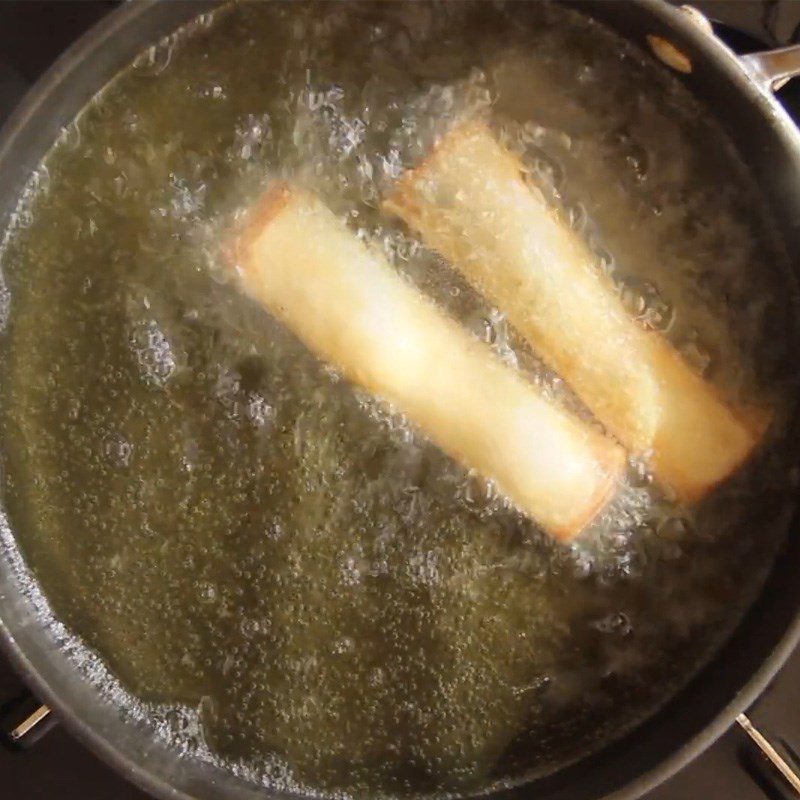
(279, 573)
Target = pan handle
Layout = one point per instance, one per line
(787, 770)
(24, 721)
(771, 69)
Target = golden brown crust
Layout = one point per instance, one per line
(746, 425)
(401, 195)
(612, 461)
(690, 492)
(754, 418)
(265, 271)
(754, 421)
(266, 208)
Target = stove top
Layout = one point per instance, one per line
(32, 34)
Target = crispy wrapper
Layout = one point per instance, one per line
(351, 309)
(469, 201)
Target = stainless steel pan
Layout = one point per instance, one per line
(739, 93)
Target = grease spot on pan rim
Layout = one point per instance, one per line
(669, 54)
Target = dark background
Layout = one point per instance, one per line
(32, 34)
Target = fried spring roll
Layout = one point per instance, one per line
(469, 201)
(348, 306)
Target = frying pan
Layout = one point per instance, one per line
(738, 92)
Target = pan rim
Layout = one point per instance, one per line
(57, 75)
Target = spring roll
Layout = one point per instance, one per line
(348, 306)
(468, 200)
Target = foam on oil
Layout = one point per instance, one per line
(282, 573)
